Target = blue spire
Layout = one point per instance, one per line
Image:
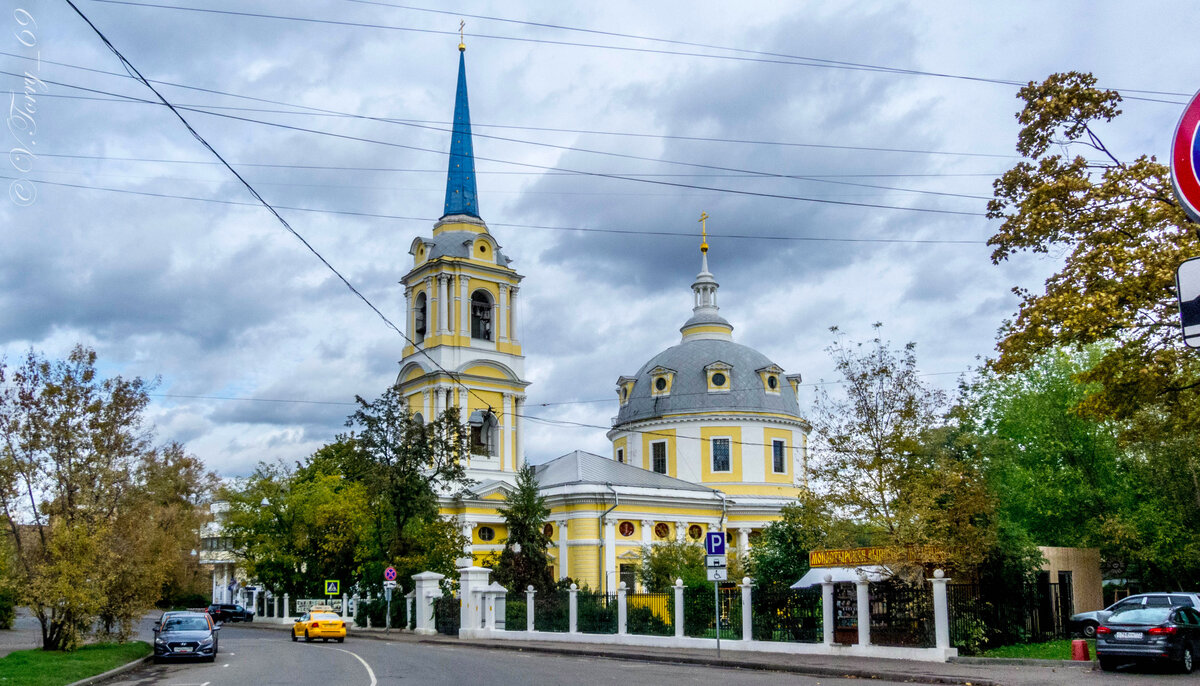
(460, 179)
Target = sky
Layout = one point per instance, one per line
(844, 153)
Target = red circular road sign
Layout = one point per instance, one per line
(390, 574)
(1185, 159)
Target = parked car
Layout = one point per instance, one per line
(230, 613)
(1085, 623)
(1149, 633)
(322, 625)
(185, 635)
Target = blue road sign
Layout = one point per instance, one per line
(714, 543)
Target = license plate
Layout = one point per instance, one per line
(183, 650)
(1128, 635)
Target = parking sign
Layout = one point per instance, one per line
(714, 543)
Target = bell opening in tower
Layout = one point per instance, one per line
(481, 315)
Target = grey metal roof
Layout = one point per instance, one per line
(705, 318)
(458, 244)
(582, 467)
(689, 391)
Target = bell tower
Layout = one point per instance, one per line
(461, 297)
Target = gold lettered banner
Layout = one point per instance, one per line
(857, 557)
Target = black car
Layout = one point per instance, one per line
(230, 613)
(185, 635)
(1149, 633)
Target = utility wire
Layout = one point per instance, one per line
(675, 184)
(790, 61)
(628, 232)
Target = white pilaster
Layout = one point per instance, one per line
(503, 323)
(464, 311)
(408, 307)
(467, 530)
(610, 554)
(427, 408)
(647, 531)
(743, 541)
(439, 396)
(513, 309)
(563, 567)
(431, 306)
(680, 531)
(519, 452)
(504, 450)
(443, 303)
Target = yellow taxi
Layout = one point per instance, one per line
(319, 622)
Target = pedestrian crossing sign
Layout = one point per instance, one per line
(332, 587)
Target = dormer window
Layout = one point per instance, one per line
(420, 316)
(719, 376)
(481, 315)
(625, 388)
(770, 376)
(661, 380)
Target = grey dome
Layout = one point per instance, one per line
(689, 390)
(458, 244)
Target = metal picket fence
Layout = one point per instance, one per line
(786, 614)
(650, 614)
(597, 613)
(901, 615)
(551, 611)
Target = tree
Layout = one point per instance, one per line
(96, 527)
(413, 462)
(891, 464)
(781, 555)
(524, 561)
(663, 563)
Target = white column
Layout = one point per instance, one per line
(743, 541)
(512, 308)
(864, 611)
(439, 396)
(827, 618)
(408, 307)
(519, 450)
(647, 531)
(464, 298)
(503, 323)
(680, 531)
(941, 610)
(505, 449)
(431, 306)
(443, 303)
(467, 530)
(427, 408)
(610, 554)
(563, 570)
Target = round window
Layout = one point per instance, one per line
(718, 379)
(483, 248)
(660, 384)
(772, 382)
(548, 530)
(662, 530)
(486, 533)
(695, 532)
(626, 528)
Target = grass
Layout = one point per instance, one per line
(49, 668)
(1049, 650)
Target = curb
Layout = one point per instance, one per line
(807, 670)
(1021, 662)
(115, 671)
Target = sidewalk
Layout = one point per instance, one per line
(811, 665)
(25, 634)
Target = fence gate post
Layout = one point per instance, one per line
(941, 610)
(573, 609)
(747, 616)
(864, 611)
(679, 608)
(427, 588)
(622, 610)
(530, 592)
(827, 608)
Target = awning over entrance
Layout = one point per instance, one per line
(816, 575)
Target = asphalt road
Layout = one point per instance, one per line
(268, 658)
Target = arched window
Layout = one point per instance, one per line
(418, 419)
(420, 312)
(481, 315)
(484, 430)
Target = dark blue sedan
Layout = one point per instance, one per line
(185, 635)
(1169, 634)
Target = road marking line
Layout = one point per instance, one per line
(370, 672)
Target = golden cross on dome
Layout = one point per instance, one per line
(703, 232)
(461, 44)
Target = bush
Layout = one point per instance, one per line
(376, 610)
(8, 608)
(642, 620)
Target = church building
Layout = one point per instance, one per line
(708, 434)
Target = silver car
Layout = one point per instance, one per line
(1085, 623)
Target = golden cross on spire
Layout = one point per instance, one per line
(703, 232)
(461, 44)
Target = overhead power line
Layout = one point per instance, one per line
(787, 60)
(733, 191)
(373, 215)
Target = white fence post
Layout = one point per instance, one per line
(827, 608)
(864, 611)
(345, 604)
(427, 588)
(622, 610)
(747, 615)
(573, 608)
(529, 605)
(679, 608)
(368, 614)
(287, 607)
(941, 610)
(472, 584)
